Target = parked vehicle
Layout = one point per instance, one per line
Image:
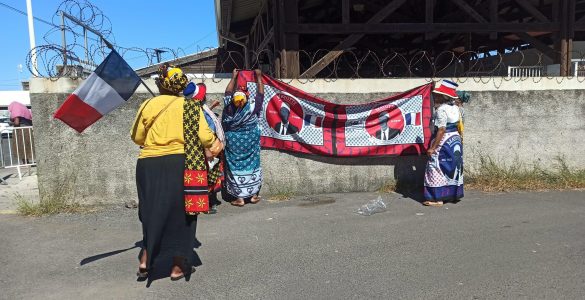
(5, 128)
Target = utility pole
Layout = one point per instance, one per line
(31, 36)
(158, 52)
(19, 71)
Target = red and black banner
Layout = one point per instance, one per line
(295, 121)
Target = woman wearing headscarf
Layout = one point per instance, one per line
(171, 175)
(444, 171)
(243, 173)
(22, 142)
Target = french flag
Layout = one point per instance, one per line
(313, 120)
(412, 119)
(109, 86)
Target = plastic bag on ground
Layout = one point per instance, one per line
(372, 207)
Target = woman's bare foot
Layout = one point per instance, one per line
(142, 270)
(177, 270)
(238, 202)
(255, 199)
(180, 269)
(143, 259)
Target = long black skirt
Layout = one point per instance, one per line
(167, 231)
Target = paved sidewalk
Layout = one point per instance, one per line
(14, 189)
(488, 246)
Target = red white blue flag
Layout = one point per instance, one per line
(109, 86)
(293, 120)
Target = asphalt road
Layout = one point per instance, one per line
(489, 246)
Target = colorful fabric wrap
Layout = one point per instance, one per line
(216, 177)
(243, 171)
(172, 78)
(195, 177)
(444, 171)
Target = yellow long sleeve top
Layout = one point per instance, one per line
(165, 136)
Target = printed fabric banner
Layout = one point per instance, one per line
(295, 121)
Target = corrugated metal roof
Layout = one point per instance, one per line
(242, 10)
(185, 60)
(245, 9)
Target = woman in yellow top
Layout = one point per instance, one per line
(171, 132)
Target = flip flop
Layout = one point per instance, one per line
(431, 203)
(183, 275)
(238, 203)
(258, 198)
(142, 273)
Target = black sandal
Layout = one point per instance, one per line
(183, 275)
(142, 273)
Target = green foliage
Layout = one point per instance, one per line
(492, 176)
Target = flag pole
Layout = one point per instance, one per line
(106, 42)
(146, 86)
(109, 45)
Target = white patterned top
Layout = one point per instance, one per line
(446, 114)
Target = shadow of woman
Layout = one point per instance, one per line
(161, 268)
(409, 172)
(91, 259)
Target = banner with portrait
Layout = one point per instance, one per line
(292, 120)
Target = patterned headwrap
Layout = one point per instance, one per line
(172, 78)
(240, 97)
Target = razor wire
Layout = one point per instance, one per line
(79, 52)
(479, 66)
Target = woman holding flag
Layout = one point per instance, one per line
(171, 173)
(243, 174)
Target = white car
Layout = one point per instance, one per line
(5, 128)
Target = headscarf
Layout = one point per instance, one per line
(198, 92)
(18, 109)
(172, 78)
(240, 97)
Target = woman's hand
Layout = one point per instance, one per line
(214, 104)
(259, 81)
(431, 151)
(235, 73)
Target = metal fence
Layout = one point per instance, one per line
(17, 149)
(528, 71)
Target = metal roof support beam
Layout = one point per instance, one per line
(246, 53)
(351, 40)
(290, 66)
(494, 17)
(386, 28)
(532, 10)
(345, 13)
(429, 16)
(470, 11)
(540, 46)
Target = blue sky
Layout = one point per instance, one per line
(185, 24)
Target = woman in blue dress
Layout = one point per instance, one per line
(444, 172)
(243, 173)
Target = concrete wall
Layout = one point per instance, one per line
(530, 121)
